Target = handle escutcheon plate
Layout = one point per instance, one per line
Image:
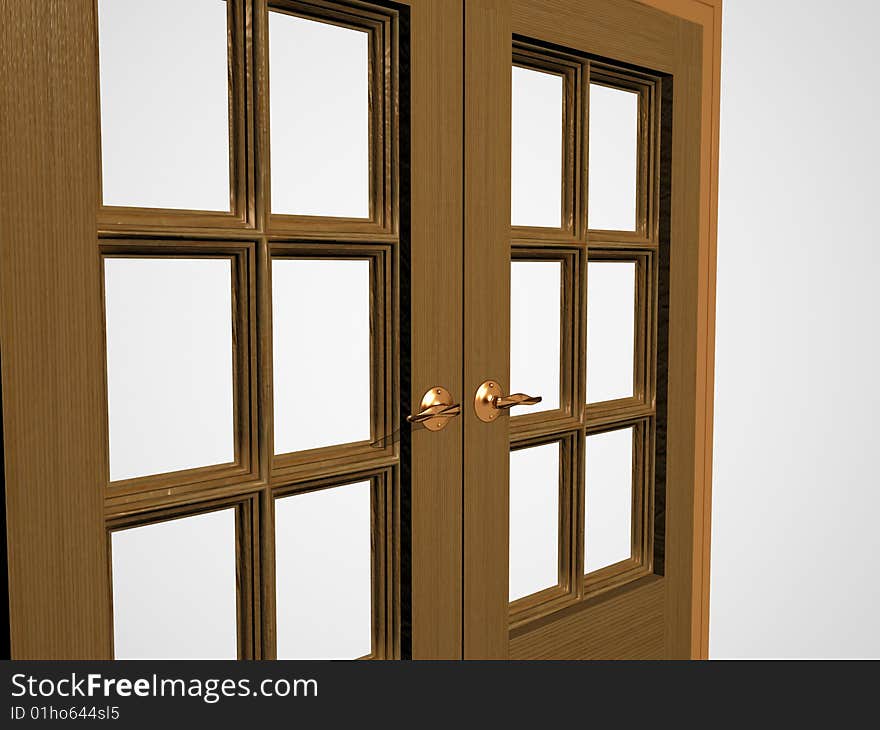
(436, 410)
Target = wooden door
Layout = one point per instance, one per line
(244, 243)
(585, 286)
(231, 266)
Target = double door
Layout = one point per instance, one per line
(342, 329)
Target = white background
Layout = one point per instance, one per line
(796, 502)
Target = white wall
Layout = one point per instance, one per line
(796, 507)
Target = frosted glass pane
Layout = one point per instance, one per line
(614, 134)
(536, 139)
(534, 519)
(174, 589)
(319, 118)
(322, 574)
(609, 495)
(321, 345)
(169, 364)
(535, 316)
(611, 323)
(164, 103)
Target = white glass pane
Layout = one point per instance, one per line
(535, 316)
(608, 502)
(169, 364)
(614, 150)
(611, 329)
(164, 103)
(174, 589)
(319, 118)
(536, 140)
(323, 574)
(534, 519)
(321, 346)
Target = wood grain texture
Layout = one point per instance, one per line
(487, 323)
(436, 324)
(632, 33)
(684, 343)
(622, 625)
(616, 29)
(706, 13)
(50, 332)
(52, 353)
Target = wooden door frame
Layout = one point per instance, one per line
(54, 419)
(487, 250)
(706, 13)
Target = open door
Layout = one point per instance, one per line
(586, 342)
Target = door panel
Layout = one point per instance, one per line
(487, 160)
(619, 175)
(260, 346)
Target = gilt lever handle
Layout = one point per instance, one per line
(490, 401)
(436, 411)
(515, 399)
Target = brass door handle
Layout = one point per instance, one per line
(516, 399)
(489, 401)
(436, 409)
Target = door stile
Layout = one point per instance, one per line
(50, 333)
(434, 307)
(487, 323)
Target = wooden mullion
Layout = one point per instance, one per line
(378, 592)
(267, 623)
(347, 13)
(623, 413)
(348, 458)
(264, 363)
(620, 240)
(528, 432)
(393, 551)
(246, 556)
(124, 506)
(166, 240)
(339, 240)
